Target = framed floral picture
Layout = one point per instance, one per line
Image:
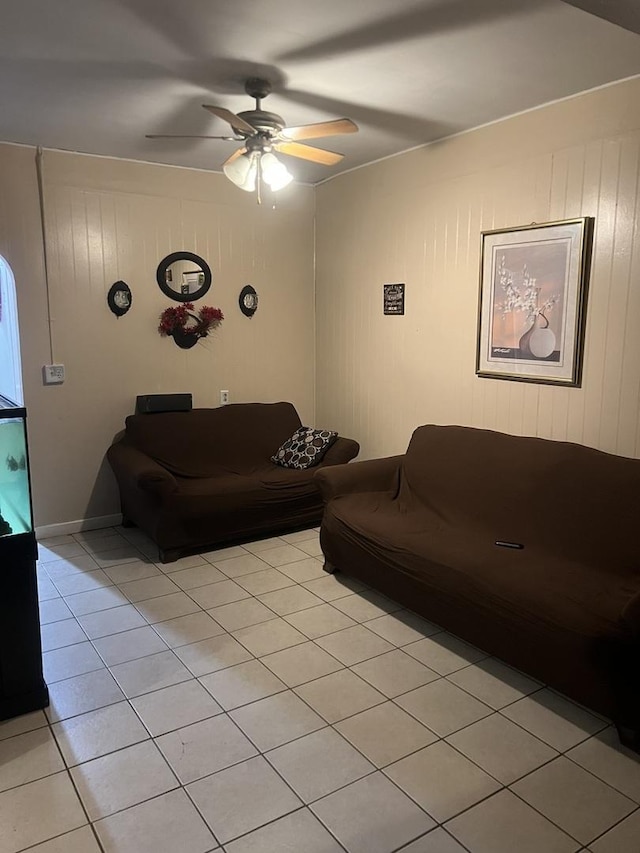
(533, 290)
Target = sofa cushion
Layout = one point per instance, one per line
(527, 490)
(211, 442)
(305, 448)
(461, 563)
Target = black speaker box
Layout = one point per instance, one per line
(147, 404)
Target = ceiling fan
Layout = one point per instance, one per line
(261, 133)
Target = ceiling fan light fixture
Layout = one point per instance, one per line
(243, 171)
(274, 173)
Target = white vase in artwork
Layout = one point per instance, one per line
(539, 341)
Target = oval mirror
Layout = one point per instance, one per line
(183, 276)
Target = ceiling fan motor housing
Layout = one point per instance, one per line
(263, 121)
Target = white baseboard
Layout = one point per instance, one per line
(66, 527)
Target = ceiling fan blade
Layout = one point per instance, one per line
(308, 152)
(191, 136)
(234, 156)
(322, 128)
(237, 123)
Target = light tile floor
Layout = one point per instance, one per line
(243, 701)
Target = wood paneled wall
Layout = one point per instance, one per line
(417, 219)
(108, 220)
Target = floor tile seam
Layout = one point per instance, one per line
(183, 725)
(440, 827)
(234, 763)
(191, 642)
(119, 630)
(599, 778)
(90, 612)
(393, 783)
(40, 563)
(245, 704)
(265, 654)
(488, 772)
(555, 823)
(262, 621)
(348, 716)
(19, 734)
(42, 597)
(448, 734)
(302, 683)
(88, 826)
(128, 660)
(587, 736)
(400, 646)
(109, 751)
(304, 808)
(70, 778)
(266, 823)
(502, 707)
(48, 775)
(342, 663)
(358, 625)
(396, 695)
(508, 719)
(77, 674)
(319, 636)
(262, 752)
(338, 732)
(384, 767)
(75, 572)
(210, 559)
(282, 615)
(66, 645)
(613, 826)
(178, 786)
(330, 793)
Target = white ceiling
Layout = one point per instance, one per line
(97, 75)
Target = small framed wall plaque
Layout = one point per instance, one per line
(248, 300)
(119, 298)
(393, 300)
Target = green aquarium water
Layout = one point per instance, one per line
(15, 506)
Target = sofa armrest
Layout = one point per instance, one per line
(631, 616)
(373, 475)
(134, 469)
(342, 450)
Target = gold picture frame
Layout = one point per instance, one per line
(532, 302)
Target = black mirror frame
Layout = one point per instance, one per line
(161, 273)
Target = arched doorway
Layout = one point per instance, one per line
(10, 362)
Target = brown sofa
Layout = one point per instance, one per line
(194, 480)
(425, 528)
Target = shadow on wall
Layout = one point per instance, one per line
(104, 494)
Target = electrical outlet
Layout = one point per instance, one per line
(53, 374)
(224, 398)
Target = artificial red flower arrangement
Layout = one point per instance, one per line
(181, 321)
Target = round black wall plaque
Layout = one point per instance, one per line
(119, 298)
(248, 301)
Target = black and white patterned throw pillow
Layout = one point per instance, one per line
(305, 448)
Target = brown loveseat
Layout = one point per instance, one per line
(522, 546)
(193, 480)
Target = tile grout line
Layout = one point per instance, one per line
(347, 667)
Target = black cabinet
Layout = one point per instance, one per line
(22, 686)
